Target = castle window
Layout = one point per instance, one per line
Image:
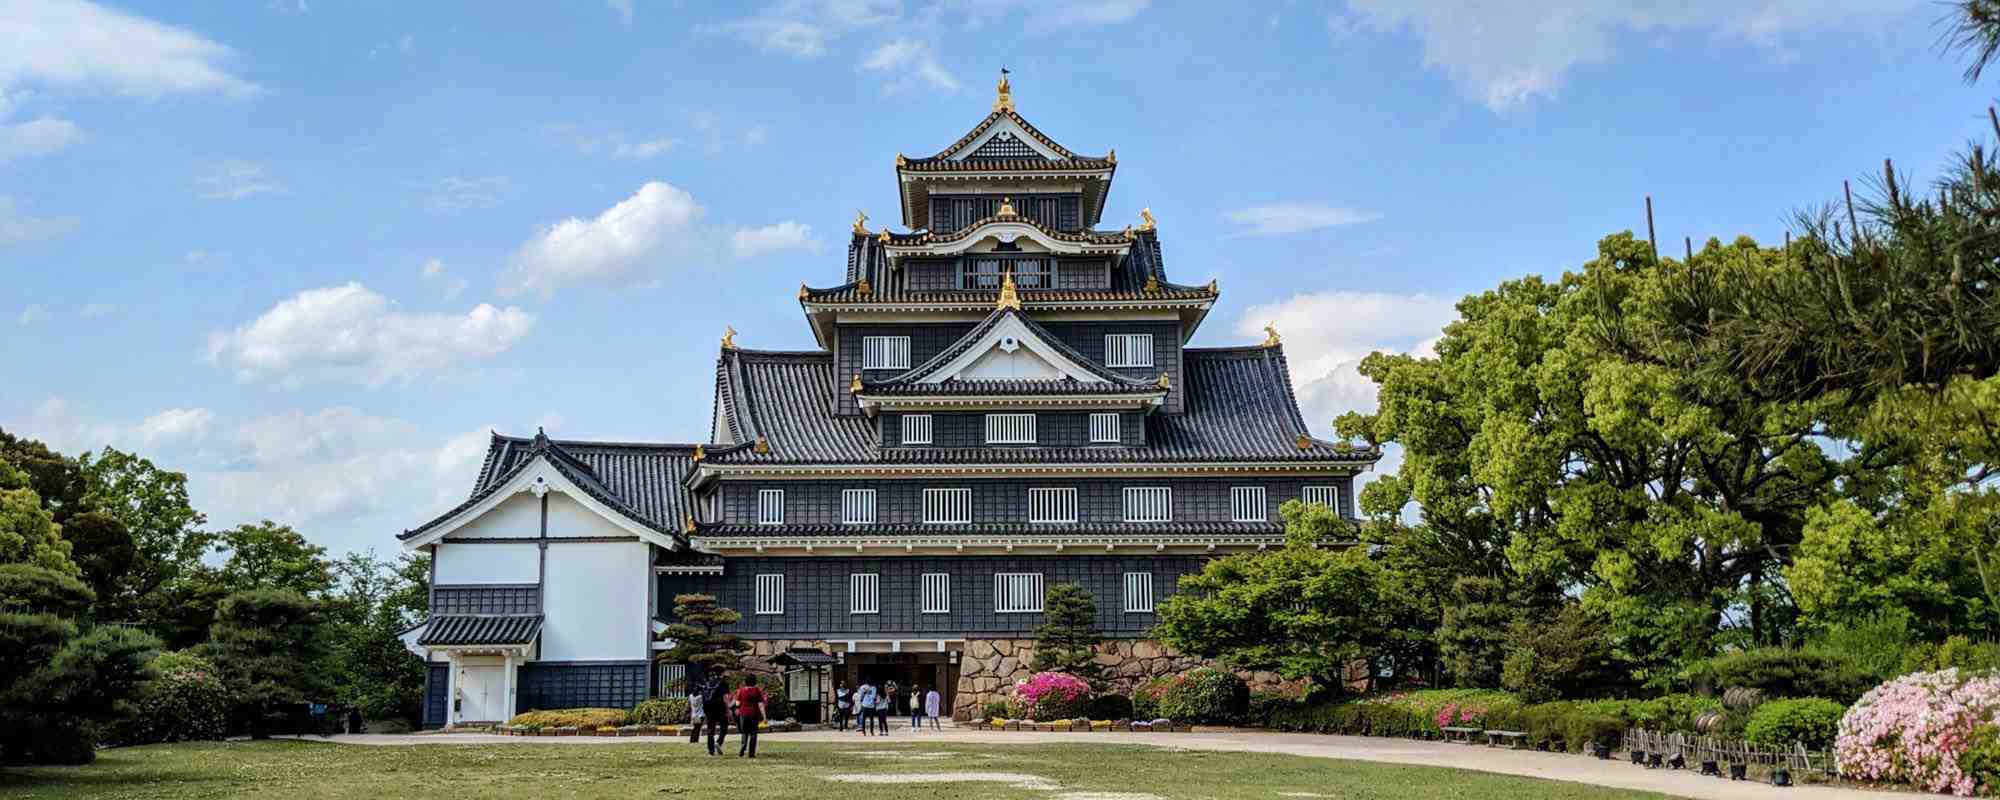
(916, 429)
(1104, 428)
(1149, 504)
(857, 506)
(1138, 593)
(1247, 504)
(1051, 505)
(1328, 496)
(1017, 592)
(948, 506)
(864, 593)
(770, 506)
(673, 680)
(885, 352)
(770, 594)
(937, 593)
(1010, 429)
(1128, 350)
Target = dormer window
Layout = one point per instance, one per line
(1010, 429)
(1104, 428)
(885, 352)
(1128, 350)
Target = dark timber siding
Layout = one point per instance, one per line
(513, 599)
(435, 699)
(581, 684)
(1052, 429)
(1002, 501)
(816, 600)
(926, 340)
(1088, 338)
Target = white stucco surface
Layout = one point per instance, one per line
(519, 516)
(595, 599)
(487, 562)
(568, 518)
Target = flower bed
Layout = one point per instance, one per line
(1930, 729)
(1082, 726)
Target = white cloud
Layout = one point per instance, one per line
(16, 227)
(802, 28)
(453, 193)
(909, 62)
(78, 43)
(31, 314)
(352, 334)
(236, 179)
(36, 137)
(1326, 334)
(96, 310)
(175, 423)
(1101, 12)
(1277, 218)
(646, 149)
(1506, 52)
(656, 231)
(435, 273)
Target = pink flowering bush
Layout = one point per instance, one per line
(1454, 715)
(1916, 728)
(1054, 695)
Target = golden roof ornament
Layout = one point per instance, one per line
(1152, 284)
(1006, 207)
(1164, 382)
(1112, 156)
(1271, 335)
(1009, 298)
(699, 452)
(854, 386)
(901, 161)
(1149, 223)
(884, 238)
(1003, 98)
(687, 524)
(728, 338)
(863, 288)
(860, 222)
(803, 292)
(763, 446)
(1303, 442)
(1213, 287)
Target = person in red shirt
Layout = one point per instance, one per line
(750, 708)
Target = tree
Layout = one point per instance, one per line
(152, 504)
(1306, 610)
(28, 534)
(105, 553)
(1472, 641)
(269, 646)
(369, 666)
(1566, 655)
(267, 555)
(697, 635)
(1066, 641)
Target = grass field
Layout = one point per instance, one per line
(297, 770)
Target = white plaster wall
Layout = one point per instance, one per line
(595, 600)
(568, 517)
(487, 562)
(519, 516)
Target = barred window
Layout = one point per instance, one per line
(885, 352)
(1104, 428)
(1017, 592)
(936, 593)
(1328, 496)
(770, 506)
(857, 506)
(1247, 504)
(770, 594)
(673, 680)
(1010, 429)
(863, 593)
(1149, 504)
(1138, 592)
(1128, 350)
(948, 506)
(1051, 505)
(916, 429)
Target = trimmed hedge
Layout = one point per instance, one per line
(1423, 714)
(1812, 721)
(1204, 696)
(660, 711)
(585, 718)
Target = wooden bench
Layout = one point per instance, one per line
(1513, 739)
(1456, 734)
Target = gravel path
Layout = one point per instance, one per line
(1550, 766)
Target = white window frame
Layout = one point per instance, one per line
(857, 506)
(1151, 504)
(1128, 350)
(885, 352)
(1328, 496)
(1104, 428)
(770, 506)
(1138, 592)
(1011, 428)
(1052, 505)
(864, 593)
(1025, 589)
(948, 506)
(1249, 504)
(669, 673)
(915, 424)
(770, 597)
(935, 593)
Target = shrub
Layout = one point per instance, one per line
(1111, 706)
(1570, 655)
(1206, 696)
(1957, 652)
(1674, 712)
(185, 702)
(1587, 727)
(1812, 721)
(1054, 695)
(994, 709)
(664, 711)
(1914, 729)
(585, 718)
(1788, 672)
(1146, 697)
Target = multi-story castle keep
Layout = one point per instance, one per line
(1003, 400)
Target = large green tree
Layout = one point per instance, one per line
(152, 504)
(270, 647)
(1066, 641)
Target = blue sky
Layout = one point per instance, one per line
(311, 252)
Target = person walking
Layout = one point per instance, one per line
(933, 703)
(917, 708)
(864, 707)
(843, 702)
(696, 714)
(884, 700)
(715, 712)
(750, 713)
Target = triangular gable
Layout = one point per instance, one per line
(539, 474)
(1006, 132)
(1008, 346)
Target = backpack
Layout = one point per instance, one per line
(713, 693)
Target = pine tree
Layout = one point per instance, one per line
(697, 638)
(1067, 639)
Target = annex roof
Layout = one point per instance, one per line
(640, 483)
(478, 630)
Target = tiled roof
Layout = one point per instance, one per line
(641, 481)
(1008, 165)
(1239, 407)
(1084, 236)
(461, 630)
(1065, 386)
(920, 529)
(866, 259)
(910, 381)
(994, 117)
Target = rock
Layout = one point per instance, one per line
(981, 648)
(1107, 659)
(1004, 647)
(1147, 648)
(1007, 666)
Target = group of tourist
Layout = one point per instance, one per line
(870, 706)
(712, 704)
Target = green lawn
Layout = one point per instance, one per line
(298, 770)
